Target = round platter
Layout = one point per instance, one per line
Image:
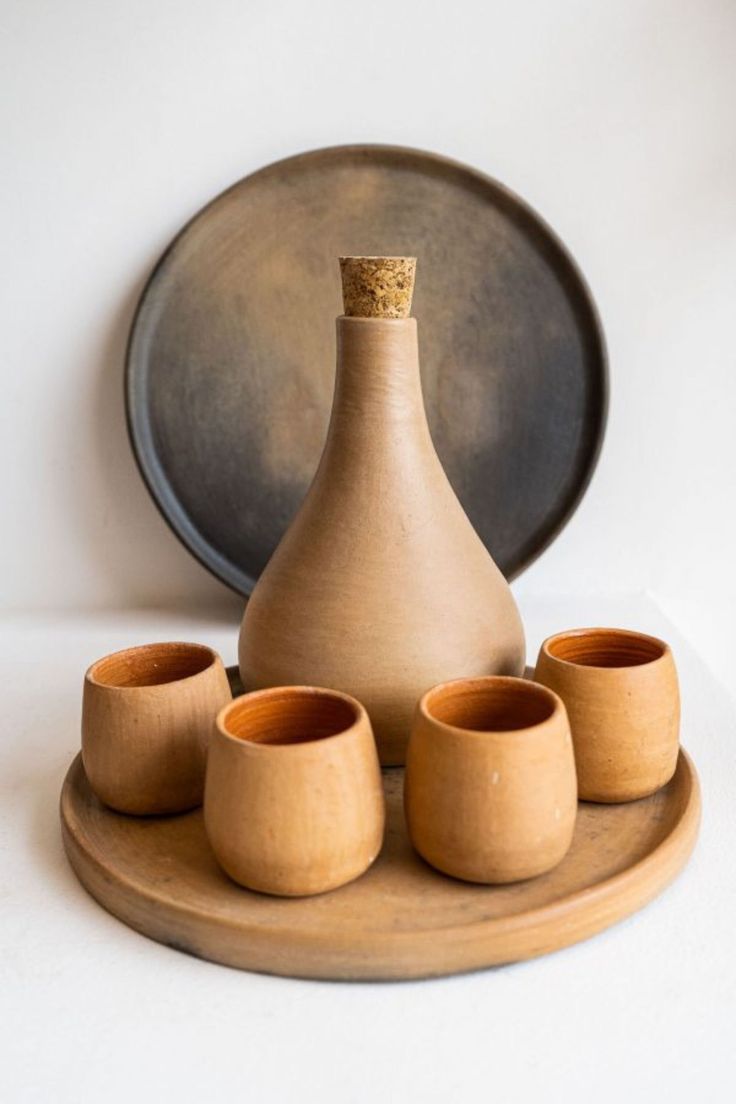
(231, 356)
(401, 919)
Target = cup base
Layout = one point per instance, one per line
(299, 891)
(498, 876)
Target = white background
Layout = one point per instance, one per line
(616, 120)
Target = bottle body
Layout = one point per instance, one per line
(380, 588)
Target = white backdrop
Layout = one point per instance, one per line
(615, 120)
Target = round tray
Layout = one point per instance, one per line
(232, 352)
(401, 919)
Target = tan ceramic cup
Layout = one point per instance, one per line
(294, 801)
(621, 693)
(147, 717)
(490, 793)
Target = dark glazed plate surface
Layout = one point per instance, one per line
(231, 356)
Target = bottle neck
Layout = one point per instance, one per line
(378, 389)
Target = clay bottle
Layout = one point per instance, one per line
(381, 587)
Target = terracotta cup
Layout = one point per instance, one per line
(490, 793)
(621, 693)
(147, 716)
(294, 801)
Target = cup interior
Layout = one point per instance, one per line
(493, 704)
(605, 648)
(288, 716)
(151, 665)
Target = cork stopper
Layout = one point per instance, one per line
(377, 287)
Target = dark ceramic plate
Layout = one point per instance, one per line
(231, 356)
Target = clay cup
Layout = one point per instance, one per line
(621, 693)
(147, 716)
(490, 793)
(294, 800)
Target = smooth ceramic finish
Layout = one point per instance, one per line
(147, 715)
(381, 587)
(293, 801)
(231, 358)
(621, 693)
(402, 919)
(490, 780)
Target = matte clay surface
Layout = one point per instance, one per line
(232, 354)
(491, 794)
(401, 919)
(146, 723)
(293, 802)
(380, 587)
(621, 692)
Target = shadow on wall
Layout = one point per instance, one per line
(141, 562)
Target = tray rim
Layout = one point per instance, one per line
(584, 912)
(151, 471)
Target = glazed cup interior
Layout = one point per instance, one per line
(287, 716)
(492, 704)
(605, 648)
(151, 665)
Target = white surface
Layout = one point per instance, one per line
(615, 119)
(92, 1011)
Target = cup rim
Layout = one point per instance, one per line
(630, 634)
(170, 645)
(480, 681)
(360, 717)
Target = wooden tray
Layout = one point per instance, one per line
(401, 919)
(232, 352)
